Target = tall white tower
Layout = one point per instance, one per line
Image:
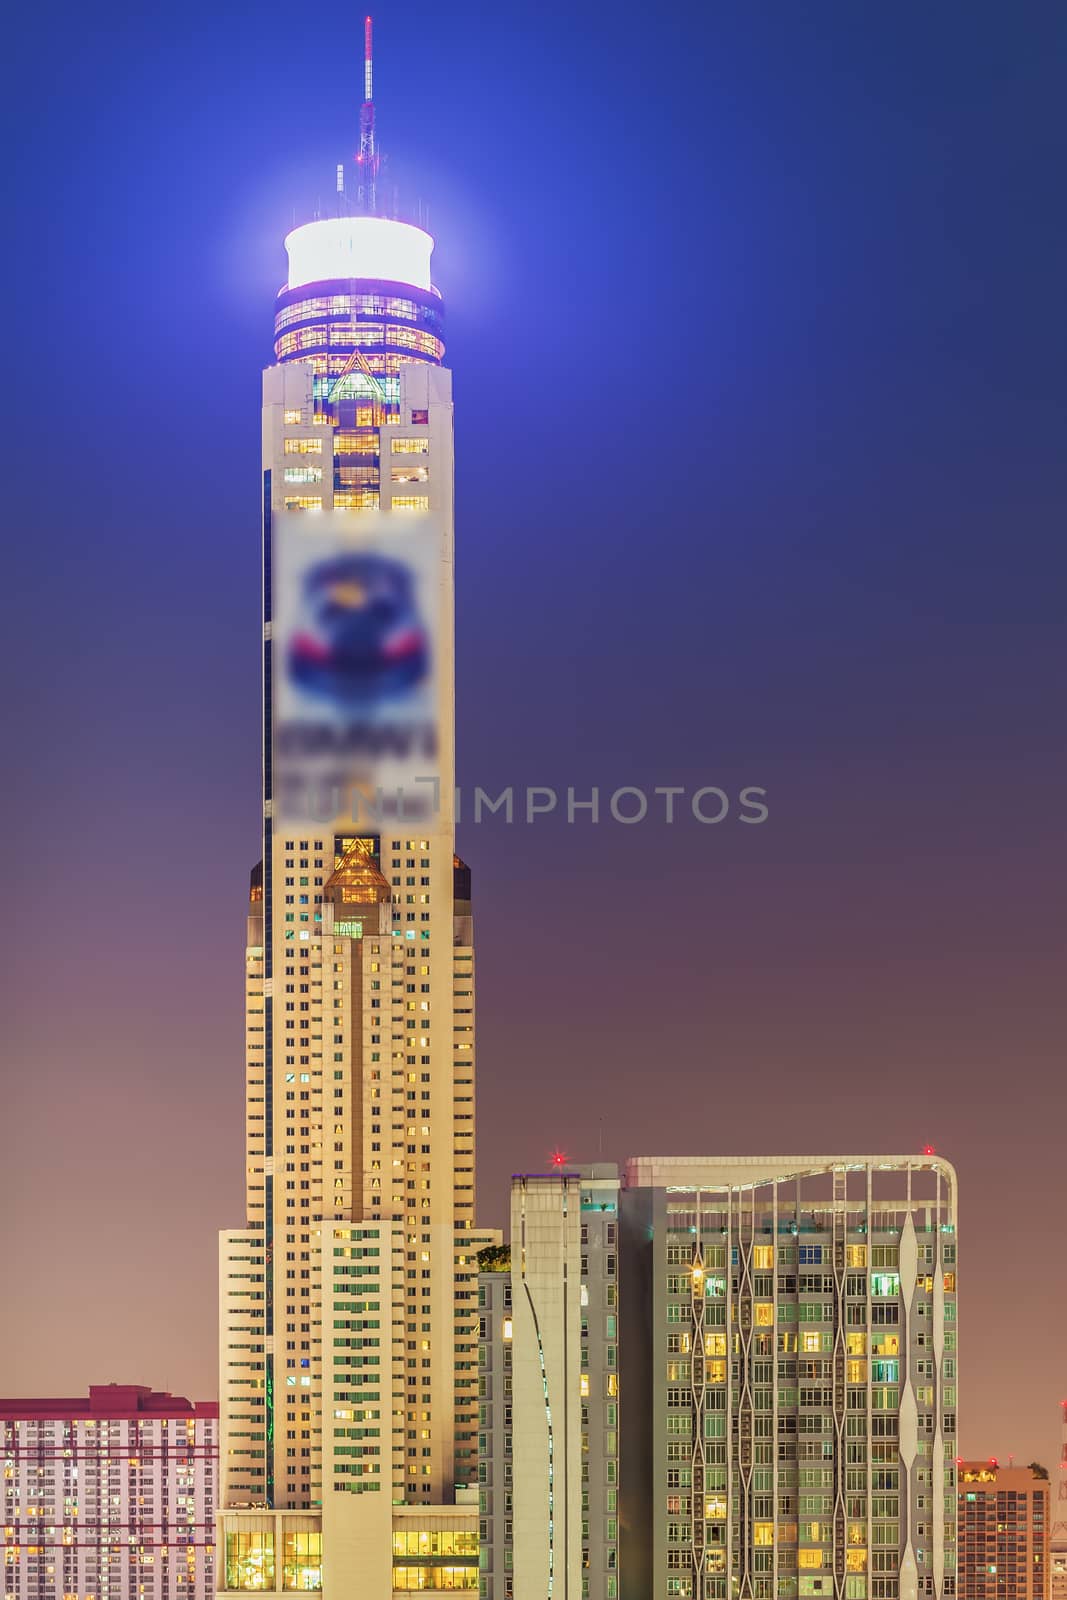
(349, 1298)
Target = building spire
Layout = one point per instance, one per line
(368, 160)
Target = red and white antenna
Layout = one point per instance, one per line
(368, 160)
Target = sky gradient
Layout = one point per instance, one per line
(756, 316)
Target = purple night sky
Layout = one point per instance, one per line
(757, 324)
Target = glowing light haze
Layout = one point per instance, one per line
(359, 247)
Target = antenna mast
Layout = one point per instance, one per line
(368, 159)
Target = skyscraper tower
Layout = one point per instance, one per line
(348, 1300)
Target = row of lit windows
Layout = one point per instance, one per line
(409, 1579)
(883, 1285)
(763, 1257)
(357, 500)
(380, 365)
(366, 335)
(435, 1542)
(339, 305)
(340, 336)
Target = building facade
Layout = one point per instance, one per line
(789, 1350)
(496, 1443)
(1058, 1536)
(549, 1393)
(1003, 1531)
(110, 1497)
(765, 1404)
(349, 1336)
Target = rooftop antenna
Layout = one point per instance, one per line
(368, 159)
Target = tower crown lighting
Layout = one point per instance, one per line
(370, 247)
(359, 291)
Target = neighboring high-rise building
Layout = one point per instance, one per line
(111, 1497)
(549, 1388)
(496, 1400)
(1003, 1531)
(1058, 1535)
(789, 1377)
(349, 1297)
(782, 1336)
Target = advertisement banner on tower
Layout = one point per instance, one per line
(357, 628)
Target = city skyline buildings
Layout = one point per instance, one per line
(1003, 1531)
(738, 1374)
(573, 1127)
(111, 1495)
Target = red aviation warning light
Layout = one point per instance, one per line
(928, 1150)
(558, 1158)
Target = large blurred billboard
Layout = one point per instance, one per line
(357, 629)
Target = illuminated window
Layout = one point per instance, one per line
(885, 1284)
(857, 1344)
(763, 1533)
(302, 1561)
(714, 1344)
(411, 502)
(303, 474)
(507, 1328)
(716, 1371)
(409, 474)
(856, 1255)
(856, 1560)
(856, 1372)
(303, 447)
(811, 1342)
(583, 1385)
(435, 1542)
(416, 339)
(418, 1578)
(356, 442)
(303, 502)
(950, 1283)
(292, 416)
(811, 1559)
(250, 1561)
(763, 1257)
(409, 447)
(715, 1508)
(885, 1344)
(356, 500)
(764, 1317)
